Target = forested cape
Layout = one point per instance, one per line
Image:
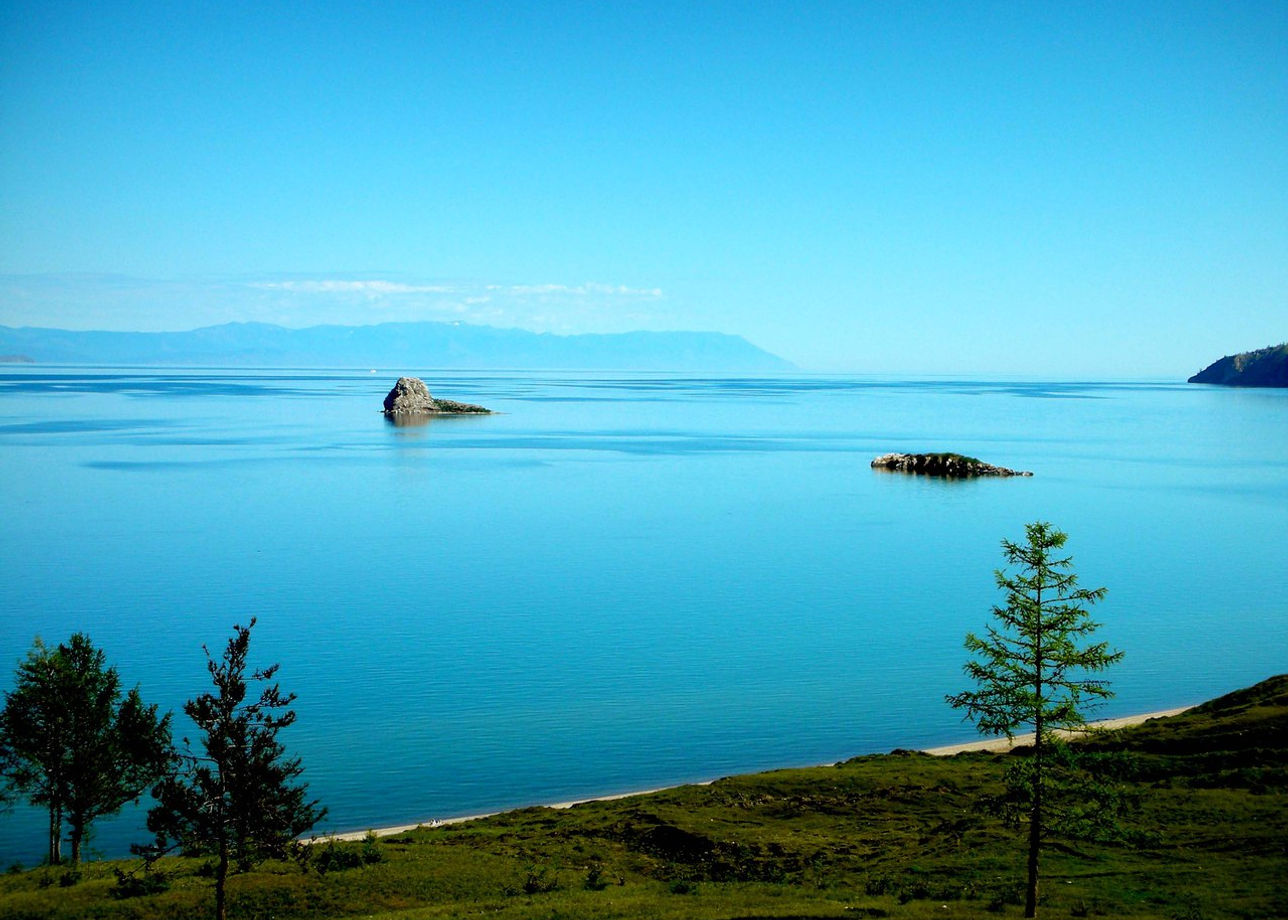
(1265, 367)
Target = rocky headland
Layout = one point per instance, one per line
(410, 398)
(947, 466)
(1265, 367)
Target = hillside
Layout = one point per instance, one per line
(1266, 367)
(401, 345)
(898, 835)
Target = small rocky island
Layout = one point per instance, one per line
(948, 466)
(410, 398)
(1265, 367)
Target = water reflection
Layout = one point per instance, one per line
(424, 419)
(408, 420)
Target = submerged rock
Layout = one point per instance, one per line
(949, 466)
(410, 397)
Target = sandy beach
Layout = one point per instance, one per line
(987, 744)
(1003, 744)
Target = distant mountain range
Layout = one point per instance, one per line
(390, 345)
(1265, 367)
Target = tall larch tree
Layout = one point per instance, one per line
(1032, 672)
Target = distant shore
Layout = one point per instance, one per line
(988, 744)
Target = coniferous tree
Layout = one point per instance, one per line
(1031, 673)
(238, 799)
(72, 743)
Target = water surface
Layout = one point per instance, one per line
(622, 581)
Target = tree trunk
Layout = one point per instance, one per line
(1035, 844)
(221, 876)
(55, 834)
(1035, 822)
(1035, 814)
(77, 835)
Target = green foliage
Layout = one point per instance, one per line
(594, 878)
(1029, 670)
(138, 883)
(1083, 797)
(239, 799)
(72, 743)
(335, 856)
(539, 880)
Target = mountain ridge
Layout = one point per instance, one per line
(423, 344)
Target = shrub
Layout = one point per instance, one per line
(134, 885)
(336, 856)
(539, 880)
(595, 878)
(371, 852)
(879, 884)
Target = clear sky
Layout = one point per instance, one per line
(1057, 189)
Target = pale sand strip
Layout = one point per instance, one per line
(989, 744)
(1004, 744)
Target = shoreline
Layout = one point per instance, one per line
(997, 745)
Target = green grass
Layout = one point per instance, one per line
(895, 835)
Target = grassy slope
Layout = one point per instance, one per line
(892, 835)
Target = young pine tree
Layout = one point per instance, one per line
(239, 799)
(1031, 673)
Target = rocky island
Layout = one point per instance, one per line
(410, 398)
(1265, 367)
(948, 466)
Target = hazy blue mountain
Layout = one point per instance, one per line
(1265, 367)
(401, 345)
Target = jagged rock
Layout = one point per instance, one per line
(949, 466)
(410, 396)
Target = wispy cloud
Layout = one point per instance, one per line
(589, 289)
(125, 303)
(376, 287)
(588, 306)
(369, 287)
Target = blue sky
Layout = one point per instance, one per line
(1029, 188)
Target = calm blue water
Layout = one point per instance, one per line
(623, 581)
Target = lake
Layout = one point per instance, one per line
(622, 581)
